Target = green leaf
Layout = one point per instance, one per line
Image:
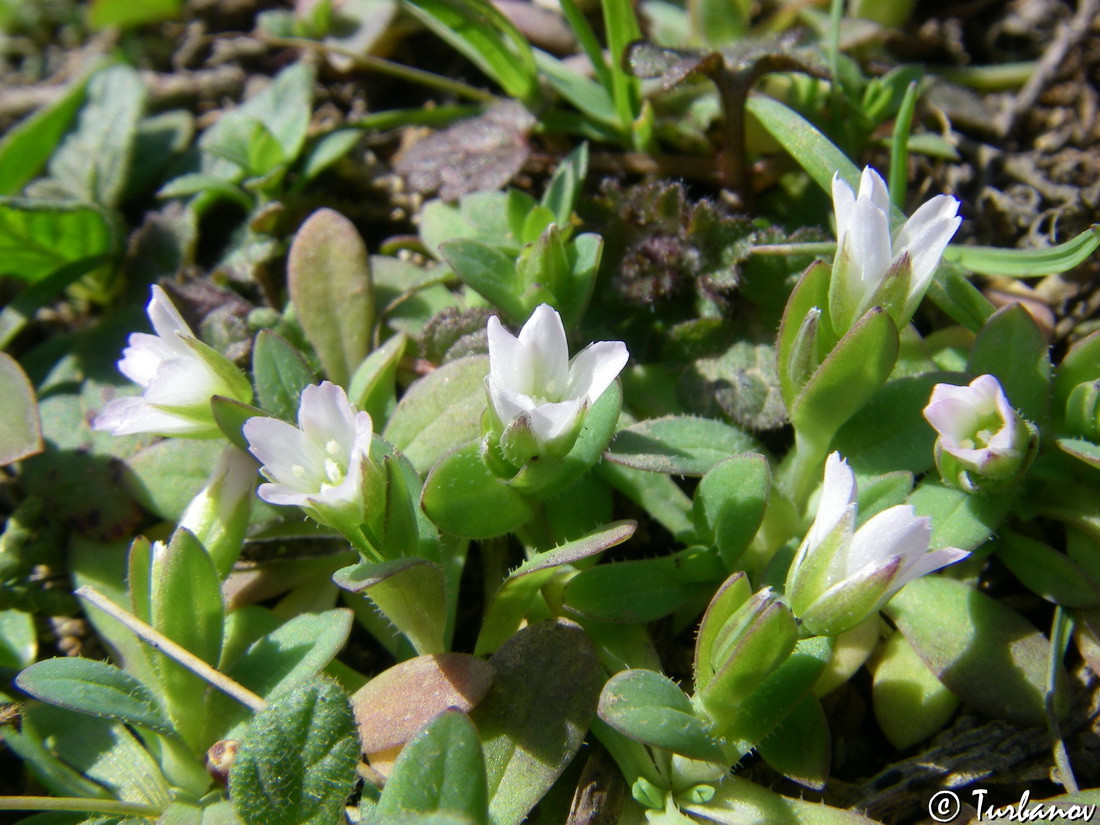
(1080, 449)
(463, 497)
(296, 763)
(536, 715)
(955, 295)
(95, 688)
(848, 378)
(281, 373)
(678, 445)
(278, 662)
(959, 519)
(485, 37)
(564, 187)
(442, 770)
(729, 504)
(182, 575)
(103, 751)
(327, 151)
(94, 161)
(987, 654)
(588, 96)
(732, 593)
(804, 142)
(890, 433)
(330, 286)
(127, 14)
(409, 592)
(231, 415)
(656, 493)
(650, 708)
(509, 603)
(489, 271)
(1025, 376)
(911, 704)
(1026, 263)
(1046, 572)
(801, 748)
(373, 386)
(779, 693)
(640, 590)
(439, 412)
(165, 476)
(26, 147)
(20, 428)
(18, 637)
(401, 700)
(39, 237)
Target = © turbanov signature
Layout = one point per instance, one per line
(945, 806)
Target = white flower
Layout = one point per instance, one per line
(869, 270)
(536, 393)
(981, 437)
(841, 575)
(179, 374)
(323, 465)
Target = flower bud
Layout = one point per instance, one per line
(983, 443)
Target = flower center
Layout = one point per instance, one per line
(987, 428)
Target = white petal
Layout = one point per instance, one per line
(507, 403)
(183, 382)
(143, 357)
(509, 360)
(953, 418)
(939, 208)
(896, 531)
(128, 416)
(166, 320)
(544, 337)
(927, 562)
(868, 245)
(281, 494)
(548, 421)
(926, 250)
(288, 456)
(838, 492)
(325, 414)
(873, 188)
(843, 201)
(594, 368)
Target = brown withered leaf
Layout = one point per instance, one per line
(475, 155)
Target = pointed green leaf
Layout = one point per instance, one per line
(410, 592)
(650, 708)
(94, 688)
(39, 237)
(729, 504)
(848, 378)
(281, 373)
(801, 748)
(440, 770)
(507, 609)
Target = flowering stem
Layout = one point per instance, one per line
(801, 469)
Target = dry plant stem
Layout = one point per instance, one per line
(1068, 35)
(193, 663)
(156, 639)
(378, 64)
